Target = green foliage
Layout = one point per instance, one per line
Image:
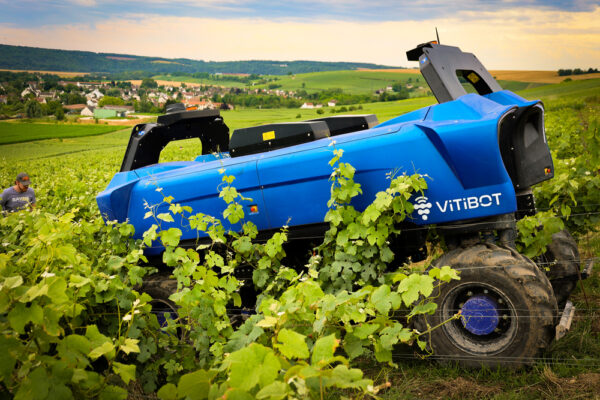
(305, 331)
(535, 232)
(356, 248)
(69, 306)
(573, 129)
(26, 131)
(109, 100)
(148, 83)
(33, 109)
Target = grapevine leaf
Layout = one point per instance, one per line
(413, 285)
(447, 274)
(344, 377)
(353, 346)
(97, 339)
(111, 392)
(267, 322)
(165, 217)
(51, 321)
(381, 299)
(427, 308)
(274, 391)
(125, 371)
(171, 236)
(74, 349)
(251, 366)
(195, 385)
(12, 282)
(34, 386)
(36, 314)
(364, 330)
(260, 277)
(292, 344)
(324, 349)
(8, 346)
(237, 394)
(35, 291)
(167, 392)
(130, 346)
(18, 317)
(243, 244)
(105, 348)
(57, 291)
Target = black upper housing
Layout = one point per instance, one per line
(148, 140)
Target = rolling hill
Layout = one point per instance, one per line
(34, 58)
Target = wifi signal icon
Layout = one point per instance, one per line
(422, 205)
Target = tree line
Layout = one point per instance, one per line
(577, 71)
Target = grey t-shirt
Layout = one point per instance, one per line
(14, 201)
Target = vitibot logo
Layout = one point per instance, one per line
(422, 205)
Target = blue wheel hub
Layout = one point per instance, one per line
(480, 315)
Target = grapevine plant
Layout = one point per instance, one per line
(569, 200)
(307, 329)
(75, 324)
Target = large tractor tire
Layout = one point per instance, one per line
(562, 265)
(508, 310)
(160, 286)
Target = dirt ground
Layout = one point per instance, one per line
(583, 386)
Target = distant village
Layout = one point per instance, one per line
(119, 99)
(94, 92)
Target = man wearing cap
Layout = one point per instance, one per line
(19, 196)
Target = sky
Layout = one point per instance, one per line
(504, 34)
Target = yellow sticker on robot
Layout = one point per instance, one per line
(473, 78)
(268, 135)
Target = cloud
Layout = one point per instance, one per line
(85, 3)
(509, 39)
(42, 12)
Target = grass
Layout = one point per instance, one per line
(516, 86)
(42, 149)
(355, 82)
(566, 90)
(16, 132)
(241, 118)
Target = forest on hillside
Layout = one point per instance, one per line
(33, 58)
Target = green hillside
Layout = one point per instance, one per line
(11, 132)
(573, 89)
(350, 82)
(34, 58)
(354, 82)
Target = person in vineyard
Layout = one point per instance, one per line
(19, 196)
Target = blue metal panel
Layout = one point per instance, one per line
(507, 97)
(418, 115)
(197, 187)
(455, 144)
